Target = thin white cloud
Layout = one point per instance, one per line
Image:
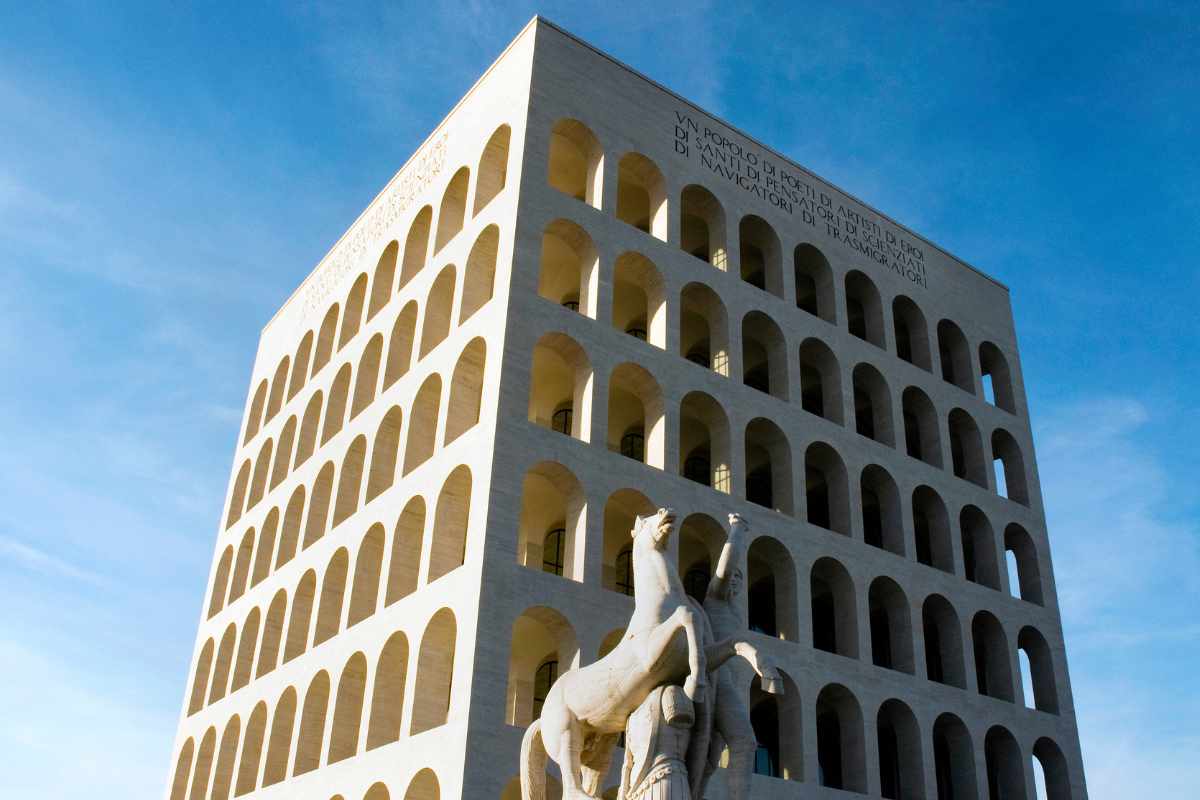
(32, 558)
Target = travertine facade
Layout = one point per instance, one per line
(581, 299)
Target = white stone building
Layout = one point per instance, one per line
(584, 297)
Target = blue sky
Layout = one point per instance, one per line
(168, 175)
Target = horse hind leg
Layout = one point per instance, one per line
(661, 638)
(569, 756)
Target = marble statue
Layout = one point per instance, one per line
(656, 746)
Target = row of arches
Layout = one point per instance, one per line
(386, 568)
(364, 710)
(576, 169)
(395, 268)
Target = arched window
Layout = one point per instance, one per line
(820, 381)
(450, 520)
(560, 386)
(406, 552)
(872, 405)
(479, 278)
(1054, 783)
(921, 427)
(350, 481)
(204, 759)
(256, 730)
(466, 390)
(943, 642)
(554, 551)
(237, 497)
(266, 548)
(552, 519)
(966, 448)
(241, 566)
(624, 572)
(280, 745)
(891, 626)
(826, 489)
(220, 582)
(301, 616)
(575, 161)
(335, 409)
(347, 710)
(493, 167)
(768, 466)
(183, 768)
(422, 425)
(543, 645)
(223, 773)
(620, 512)
(569, 265)
(300, 365)
(312, 724)
(254, 417)
(278, 387)
(771, 590)
(883, 521)
(764, 355)
(1024, 575)
(1040, 663)
(268, 653)
(814, 282)
(383, 279)
(289, 537)
(864, 310)
(543, 679)
(1005, 772)
(997, 379)
(761, 258)
(309, 424)
(258, 483)
(368, 375)
(243, 664)
(318, 507)
(352, 318)
(400, 345)
(912, 333)
(387, 698)
(979, 548)
(642, 195)
(841, 751)
(704, 328)
(993, 677)
(424, 786)
(1009, 466)
(639, 307)
(384, 452)
(955, 356)
(220, 676)
(325, 339)
(416, 246)
(901, 775)
(953, 758)
(438, 310)
(435, 673)
(702, 226)
(283, 455)
(333, 592)
(931, 530)
(704, 449)
(364, 596)
(200, 678)
(636, 415)
(453, 208)
(834, 620)
(777, 725)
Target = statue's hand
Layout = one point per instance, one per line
(772, 685)
(738, 524)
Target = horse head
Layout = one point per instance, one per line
(658, 527)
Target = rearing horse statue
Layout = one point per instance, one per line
(585, 711)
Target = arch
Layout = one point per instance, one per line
(309, 424)
(203, 771)
(237, 497)
(777, 722)
(993, 675)
(552, 501)
(953, 758)
(1036, 652)
(220, 582)
(705, 454)
(243, 665)
(424, 786)
(864, 310)
(702, 226)
(704, 328)
(1009, 465)
(254, 416)
(368, 375)
(931, 530)
(1055, 781)
(384, 451)
(453, 209)
(979, 548)
(912, 333)
(771, 601)
(364, 596)
(335, 409)
(262, 466)
(183, 769)
(268, 653)
(834, 614)
(569, 267)
(620, 510)
(1005, 773)
(400, 345)
(265, 550)
(826, 488)
(422, 423)
(479, 277)
(290, 535)
(416, 246)
(405, 562)
(493, 167)
(256, 730)
(814, 282)
(226, 753)
(921, 427)
(761, 255)
(300, 365)
(312, 724)
(883, 521)
(576, 161)
(841, 749)
(966, 448)
(891, 626)
(300, 617)
(280, 744)
(283, 455)
(768, 466)
(377, 791)
(333, 591)
(352, 318)
(636, 415)
(764, 355)
(820, 380)
(350, 480)
(435, 673)
(466, 389)
(325, 339)
(997, 378)
(542, 646)
(873, 405)
(560, 386)
(943, 642)
(1022, 558)
(241, 566)
(278, 387)
(439, 308)
(318, 506)
(955, 356)
(387, 696)
(701, 539)
(639, 306)
(642, 195)
(383, 279)
(448, 548)
(200, 677)
(347, 709)
(222, 665)
(901, 772)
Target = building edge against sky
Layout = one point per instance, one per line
(581, 298)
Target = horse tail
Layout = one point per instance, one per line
(533, 763)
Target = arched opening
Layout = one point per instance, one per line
(312, 725)
(931, 530)
(901, 773)
(921, 427)
(569, 267)
(405, 563)
(435, 673)
(278, 387)
(243, 665)
(993, 676)
(387, 696)
(1036, 653)
(280, 745)
(777, 721)
(864, 310)
(384, 279)
(768, 466)
(300, 365)
(283, 455)
(352, 317)
(422, 427)
(820, 381)
(241, 566)
(479, 278)
(761, 257)
(553, 520)
(883, 521)
(560, 386)
(347, 709)
(309, 424)
(620, 512)
(424, 786)
(223, 773)
(1024, 576)
(318, 507)
(400, 345)
(449, 545)
(254, 416)
(814, 282)
(256, 730)
(266, 548)
(378, 791)
(335, 409)
(325, 339)
(702, 226)
(268, 654)
(872, 405)
(1002, 754)
(333, 591)
(183, 768)
(700, 541)
(237, 498)
(704, 448)
(891, 626)
(493, 167)
(953, 759)
(221, 667)
(200, 678)
(966, 448)
(466, 390)
(912, 333)
(979, 548)
(576, 161)
(220, 584)
(258, 483)
(704, 328)
(997, 379)
(300, 617)
(439, 307)
(636, 415)
(826, 489)
(764, 355)
(453, 208)
(834, 616)
(1054, 782)
(350, 481)
(639, 307)
(955, 356)
(642, 195)
(1009, 466)
(364, 596)
(368, 375)
(289, 537)
(943, 642)
(771, 601)
(204, 758)
(416, 246)
(841, 751)
(384, 451)
(542, 647)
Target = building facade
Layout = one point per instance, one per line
(582, 298)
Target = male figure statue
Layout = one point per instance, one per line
(656, 743)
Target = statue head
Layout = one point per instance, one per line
(658, 527)
(678, 709)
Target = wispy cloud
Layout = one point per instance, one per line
(29, 557)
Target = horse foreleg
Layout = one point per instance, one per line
(569, 756)
(655, 650)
